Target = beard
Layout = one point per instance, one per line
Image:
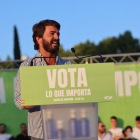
(102, 131)
(48, 46)
(3, 131)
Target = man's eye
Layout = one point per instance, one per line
(52, 33)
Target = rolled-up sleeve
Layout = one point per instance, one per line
(17, 99)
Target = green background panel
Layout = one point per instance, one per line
(125, 108)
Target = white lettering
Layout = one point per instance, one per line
(69, 92)
(130, 78)
(51, 78)
(78, 92)
(82, 79)
(139, 79)
(119, 83)
(50, 94)
(2, 91)
(72, 79)
(59, 93)
(62, 73)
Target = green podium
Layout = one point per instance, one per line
(68, 96)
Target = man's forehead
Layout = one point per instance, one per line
(23, 125)
(51, 28)
(113, 119)
(100, 123)
(1, 126)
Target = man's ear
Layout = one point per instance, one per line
(39, 40)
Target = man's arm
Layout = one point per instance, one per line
(18, 94)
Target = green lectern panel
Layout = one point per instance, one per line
(64, 84)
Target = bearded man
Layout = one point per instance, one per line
(47, 42)
(102, 135)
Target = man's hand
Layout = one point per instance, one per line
(28, 107)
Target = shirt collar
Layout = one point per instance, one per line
(42, 59)
(102, 135)
(137, 128)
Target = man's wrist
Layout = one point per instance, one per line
(29, 107)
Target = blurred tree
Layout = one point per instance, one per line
(123, 44)
(16, 45)
(128, 44)
(108, 46)
(11, 64)
(8, 58)
(7, 64)
(63, 53)
(1, 65)
(87, 48)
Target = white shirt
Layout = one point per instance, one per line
(105, 136)
(5, 136)
(34, 114)
(116, 132)
(136, 133)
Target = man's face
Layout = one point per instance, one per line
(101, 127)
(138, 124)
(23, 128)
(113, 122)
(50, 40)
(2, 129)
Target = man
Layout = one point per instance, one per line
(23, 135)
(102, 135)
(136, 130)
(115, 131)
(3, 134)
(46, 40)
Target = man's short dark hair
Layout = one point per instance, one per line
(128, 127)
(138, 118)
(3, 125)
(113, 117)
(39, 29)
(22, 124)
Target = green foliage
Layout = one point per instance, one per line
(7, 65)
(64, 53)
(8, 58)
(87, 48)
(124, 43)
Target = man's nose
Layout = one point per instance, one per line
(56, 36)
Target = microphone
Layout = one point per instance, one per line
(39, 57)
(102, 59)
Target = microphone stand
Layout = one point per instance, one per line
(102, 59)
